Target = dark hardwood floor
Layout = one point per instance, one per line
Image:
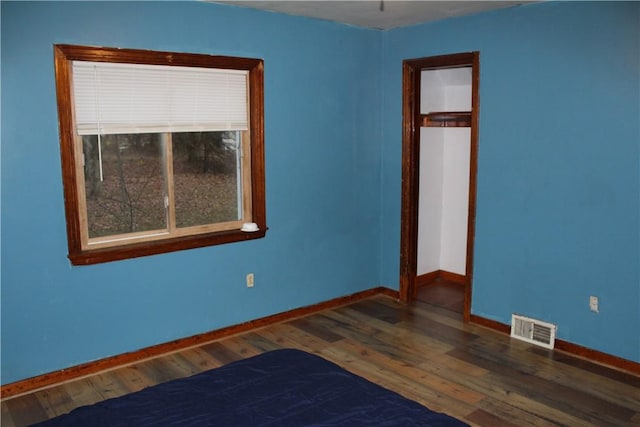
(443, 293)
(423, 351)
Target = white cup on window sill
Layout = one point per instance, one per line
(249, 227)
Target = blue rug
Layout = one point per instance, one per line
(278, 388)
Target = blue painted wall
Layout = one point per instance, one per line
(558, 210)
(558, 215)
(322, 143)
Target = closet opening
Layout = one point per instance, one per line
(439, 167)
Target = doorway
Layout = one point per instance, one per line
(442, 118)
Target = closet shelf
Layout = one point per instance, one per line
(446, 119)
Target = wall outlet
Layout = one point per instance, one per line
(250, 279)
(593, 304)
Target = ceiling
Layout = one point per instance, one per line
(378, 14)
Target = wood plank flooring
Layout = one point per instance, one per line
(422, 351)
(444, 294)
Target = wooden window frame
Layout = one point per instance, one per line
(64, 55)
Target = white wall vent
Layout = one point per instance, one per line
(533, 331)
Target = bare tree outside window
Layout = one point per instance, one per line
(206, 168)
(126, 186)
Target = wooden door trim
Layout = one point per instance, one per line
(411, 121)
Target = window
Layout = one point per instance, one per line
(160, 151)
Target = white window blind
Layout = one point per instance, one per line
(112, 98)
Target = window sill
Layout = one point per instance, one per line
(136, 250)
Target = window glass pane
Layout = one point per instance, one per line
(125, 183)
(207, 184)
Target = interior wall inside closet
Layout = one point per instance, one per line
(445, 146)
